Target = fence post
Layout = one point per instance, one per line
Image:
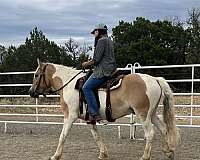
(36, 109)
(192, 96)
(132, 120)
(119, 132)
(132, 127)
(5, 128)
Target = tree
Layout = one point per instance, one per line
(193, 52)
(3, 53)
(149, 43)
(24, 58)
(152, 43)
(71, 47)
(83, 55)
(79, 53)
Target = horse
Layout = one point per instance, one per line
(140, 93)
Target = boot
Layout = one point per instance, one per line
(93, 118)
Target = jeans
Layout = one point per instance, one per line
(91, 84)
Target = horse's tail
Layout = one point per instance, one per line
(173, 135)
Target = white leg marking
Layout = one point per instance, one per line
(103, 150)
(149, 134)
(66, 127)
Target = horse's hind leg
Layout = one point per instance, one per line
(149, 134)
(66, 127)
(162, 128)
(103, 150)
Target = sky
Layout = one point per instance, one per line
(61, 19)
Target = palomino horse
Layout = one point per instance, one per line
(140, 93)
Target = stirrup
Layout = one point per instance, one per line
(94, 118)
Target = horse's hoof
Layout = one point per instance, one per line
(103, 156)
(145, 158)
(53, 158)
(170, 155)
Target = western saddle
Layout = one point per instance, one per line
(107, 86)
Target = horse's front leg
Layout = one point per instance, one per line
(66, 127)
(103, 149)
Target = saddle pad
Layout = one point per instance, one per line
(116, 84)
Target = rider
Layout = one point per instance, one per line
(104, 65)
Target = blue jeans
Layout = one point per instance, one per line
(88, 88)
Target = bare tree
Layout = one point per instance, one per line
(85, 48)
(71, 47)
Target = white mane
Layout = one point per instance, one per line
(64, 72)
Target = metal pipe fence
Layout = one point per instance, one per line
(191, 116)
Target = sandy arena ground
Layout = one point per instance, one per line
(39, 142)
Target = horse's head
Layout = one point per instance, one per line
(42, 80)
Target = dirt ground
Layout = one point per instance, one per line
(39, 142)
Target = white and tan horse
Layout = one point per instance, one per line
(140, 93)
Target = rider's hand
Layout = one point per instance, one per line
(87, 64)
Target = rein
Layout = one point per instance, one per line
(51, 92)
(42, 75)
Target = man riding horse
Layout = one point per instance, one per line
(104, 65)
(138, 93)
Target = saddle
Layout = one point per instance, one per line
(111, 84)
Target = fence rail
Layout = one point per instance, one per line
(191, 116)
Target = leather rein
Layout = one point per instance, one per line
(42, 75)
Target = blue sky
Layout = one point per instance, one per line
(62, 19)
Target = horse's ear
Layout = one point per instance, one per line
(39, 63)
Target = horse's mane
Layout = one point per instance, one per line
(66, 70)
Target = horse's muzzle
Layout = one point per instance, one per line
(33, 93)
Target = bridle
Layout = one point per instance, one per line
(42, 75)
